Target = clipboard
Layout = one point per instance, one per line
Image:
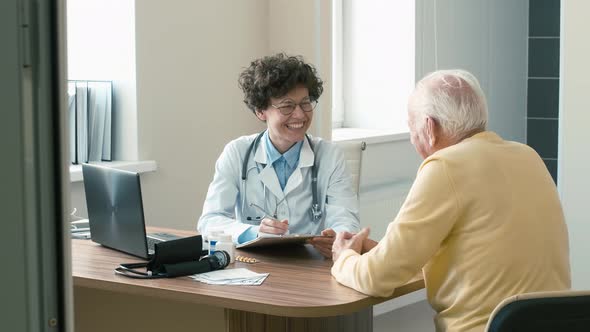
(265, 241)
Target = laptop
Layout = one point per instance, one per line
(115, 211)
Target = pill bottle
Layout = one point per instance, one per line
(213, 238)
(225, 243)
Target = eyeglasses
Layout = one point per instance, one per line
(266, 214)
(288, 108)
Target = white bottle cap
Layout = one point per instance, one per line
(214, 235)
(224, 238)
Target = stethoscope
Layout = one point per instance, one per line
(315, 206)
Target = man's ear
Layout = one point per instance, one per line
(431, 130)
(260, 115)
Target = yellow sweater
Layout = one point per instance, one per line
(483, 221)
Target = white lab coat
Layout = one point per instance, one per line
(227, 206)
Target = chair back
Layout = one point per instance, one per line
(542, 311)
(353, 154)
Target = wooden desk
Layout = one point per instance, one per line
(298, 295)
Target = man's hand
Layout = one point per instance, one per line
(272, 226)
(346, 240)
(368, 244)
(324, 244)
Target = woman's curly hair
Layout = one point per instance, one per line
(276, 75)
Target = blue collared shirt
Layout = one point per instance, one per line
(284, 164)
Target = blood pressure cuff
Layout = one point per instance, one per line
(172, 258)
(175, 257)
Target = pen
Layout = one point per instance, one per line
(267, 215)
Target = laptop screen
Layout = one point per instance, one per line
(115, 209)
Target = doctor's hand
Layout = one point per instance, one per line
(346, 240)
(324, 244)
(273, 226)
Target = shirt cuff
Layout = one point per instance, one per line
(343, 263)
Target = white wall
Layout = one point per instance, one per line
(573, 177)
(303, 27)
(388, 170)
(101, 46)
(416, 317)
(488, 38)
(189, 55)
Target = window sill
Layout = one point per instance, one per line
(141, 166)
(369, 136)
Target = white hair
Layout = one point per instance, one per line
(454, 99)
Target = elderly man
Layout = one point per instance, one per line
(482, 220)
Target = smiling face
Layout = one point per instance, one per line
(286, 130)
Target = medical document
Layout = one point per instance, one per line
(239, 276)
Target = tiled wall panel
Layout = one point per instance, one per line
(543, 82)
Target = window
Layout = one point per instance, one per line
(101, 47)
(374, 63)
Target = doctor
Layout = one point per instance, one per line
(263, 182)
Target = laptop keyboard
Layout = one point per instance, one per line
(151, 242)
(154, 238)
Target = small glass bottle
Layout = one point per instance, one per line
(213, 238)
(225, 243)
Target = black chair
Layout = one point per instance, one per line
(560, 311)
